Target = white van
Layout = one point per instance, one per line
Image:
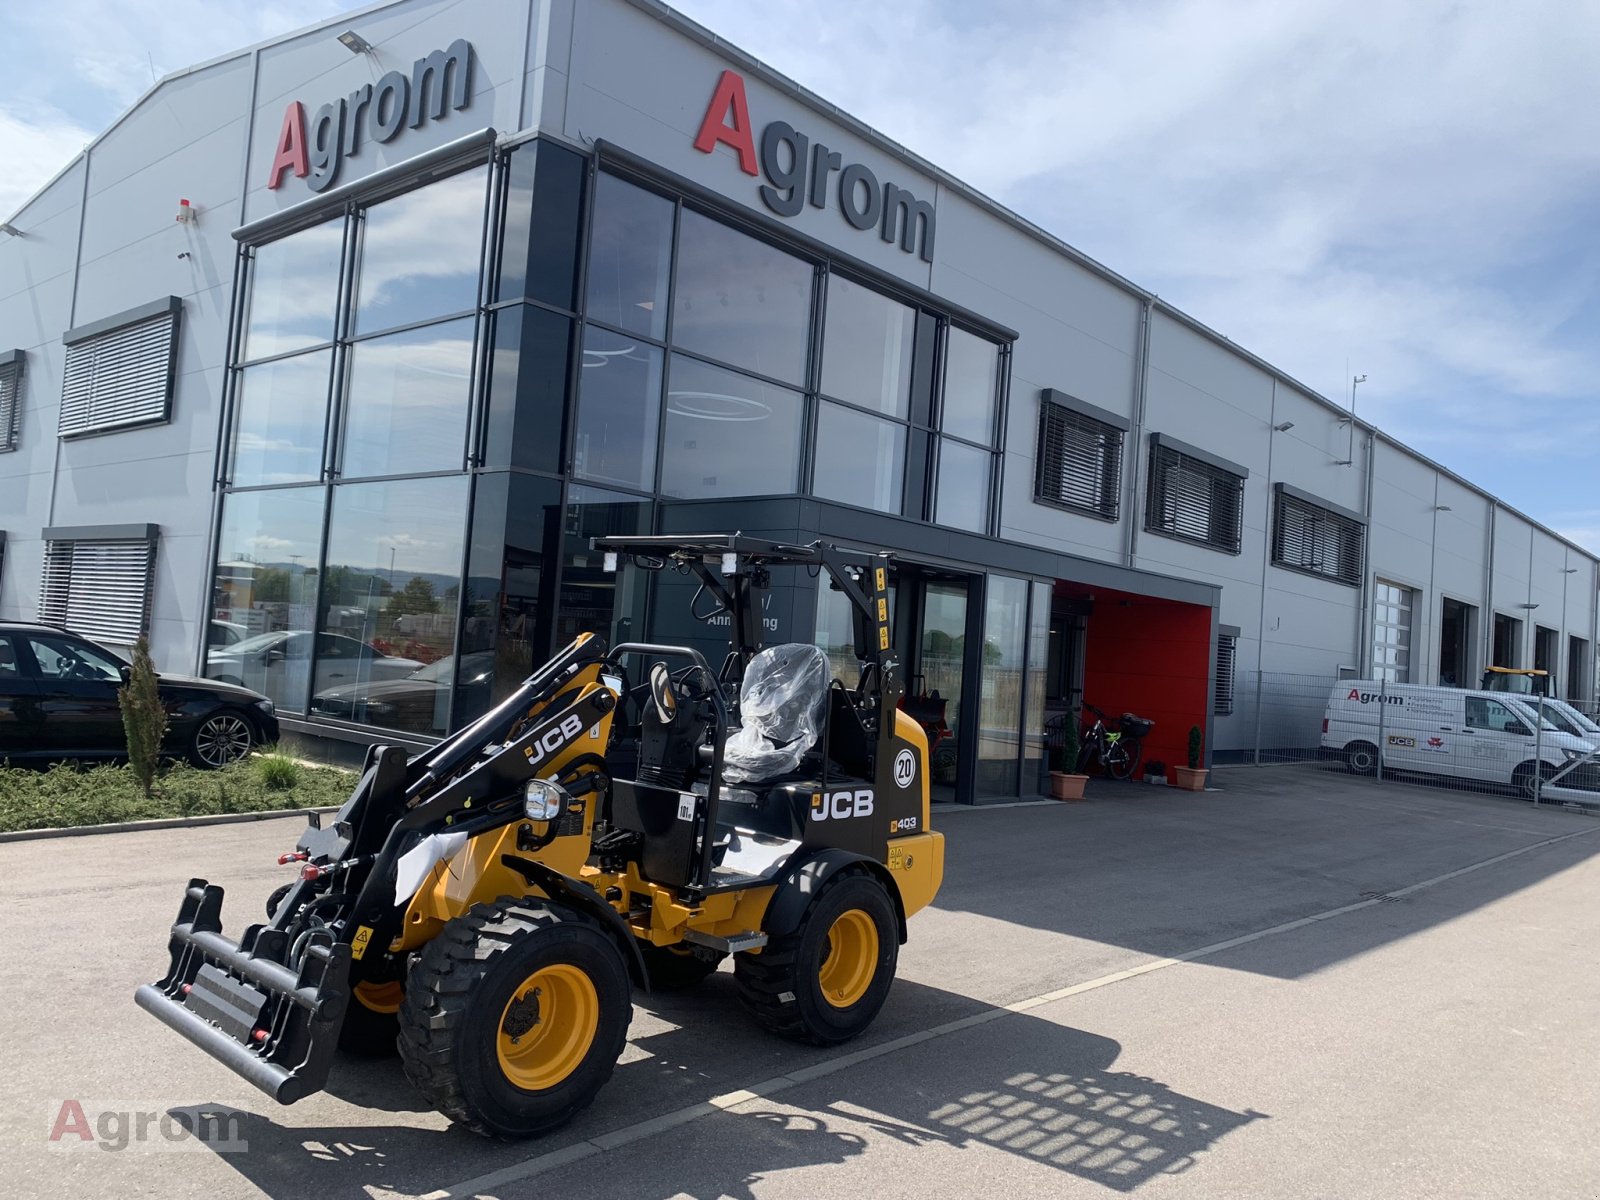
(1487, 737)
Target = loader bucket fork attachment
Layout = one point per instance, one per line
(276, 1027)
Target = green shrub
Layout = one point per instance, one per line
(277, 772)
(1194, 747)
(144, 719)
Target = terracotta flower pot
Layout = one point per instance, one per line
(1067, 787)
(1191, 778)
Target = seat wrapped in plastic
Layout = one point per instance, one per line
(780, 707)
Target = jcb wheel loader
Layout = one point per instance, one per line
(626, 819)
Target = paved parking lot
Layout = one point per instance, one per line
(1298, 985)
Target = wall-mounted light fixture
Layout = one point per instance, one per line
(354, 42)
(10, 230)
(1442, 508)
(1529, 607)
(1283, 426)
(1569, 570)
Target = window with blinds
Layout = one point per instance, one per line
(10, 397)
(1079, 461)
(1315, 538)
(119, 372)
(1193, 496)
(97, 581)
(1222, 692)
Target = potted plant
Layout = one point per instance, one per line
(1065, 784)
(1192, 776)
(1155, 771)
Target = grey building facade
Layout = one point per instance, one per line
(323, 364)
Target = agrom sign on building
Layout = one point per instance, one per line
(315, 149)
(798, 173)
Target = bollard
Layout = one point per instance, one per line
(1383, 714)
(1538, 754)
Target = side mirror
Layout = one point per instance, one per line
(127, 674)
(275, 656)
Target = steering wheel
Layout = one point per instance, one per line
(77, 669)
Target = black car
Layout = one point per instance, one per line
(58, 700)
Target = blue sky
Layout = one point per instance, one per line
(1410, 189)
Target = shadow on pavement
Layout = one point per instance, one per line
(1019, 1084)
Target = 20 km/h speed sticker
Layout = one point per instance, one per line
(905, 768)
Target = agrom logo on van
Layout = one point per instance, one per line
(1374, 697)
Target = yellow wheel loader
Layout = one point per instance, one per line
(628, 818)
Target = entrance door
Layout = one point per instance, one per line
(936, 673)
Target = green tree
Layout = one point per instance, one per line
(270, 584)
(416, 597)
(144, 719)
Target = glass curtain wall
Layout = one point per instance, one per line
(345, 505)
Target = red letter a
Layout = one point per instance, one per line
(71, 1120)
(714, 129)
(291, 146)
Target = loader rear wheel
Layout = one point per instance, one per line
(514, 1016)
(372, 1020)
(673, 968)
(826, 981)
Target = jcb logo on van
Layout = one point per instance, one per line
(558, 737)
(837, 806)
(1374, 697)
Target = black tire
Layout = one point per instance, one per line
(371, 1027)
(471, 985)
(221, 737)
(1361, 758)
(1120, 760)
(782, 986)
(673, 968)
(1522, 780)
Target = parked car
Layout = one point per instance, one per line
(58, 700)
(1483, 736)
(418, 702)
(225, 633)
(279, 664)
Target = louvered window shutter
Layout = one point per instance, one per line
(1222, 699)
(119, 377)
(98, 588)
(1193, 500)
(10, 398)
(1316, 540)
(1079, 463)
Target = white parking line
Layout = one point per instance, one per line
(693, 1112)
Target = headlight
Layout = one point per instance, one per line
(543, 800)
(267, 706)
(1574, 755)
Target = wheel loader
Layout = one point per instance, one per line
(628, 818)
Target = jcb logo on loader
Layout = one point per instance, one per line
(836, 806)
(558, 737)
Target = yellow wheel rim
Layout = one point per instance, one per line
(380, 997)
(547, 1027)
(851, 959)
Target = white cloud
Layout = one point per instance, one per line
(34, 147)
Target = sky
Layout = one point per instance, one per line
(1405, 191)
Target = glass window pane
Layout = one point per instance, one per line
(971, 386)
(728, 434)
(280, 409)
(962, 499)
(1033, 752)
(544, 203)
(590, 599)
(516, 524)
(264, 590)
(419, 254)
(630, 258)
(1005, 617)
(619, 410)
(294, 284)
(527, 388)
(406, 401)
(741, 301)
(866, 351)
(860, 459)
(389, 598)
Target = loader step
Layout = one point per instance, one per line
(750, 939)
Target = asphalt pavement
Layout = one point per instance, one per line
(1300, 984)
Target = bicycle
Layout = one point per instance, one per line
(1116, 751)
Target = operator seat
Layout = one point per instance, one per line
(781, 712)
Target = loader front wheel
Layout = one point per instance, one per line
(514, 1016)
(825, 982)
